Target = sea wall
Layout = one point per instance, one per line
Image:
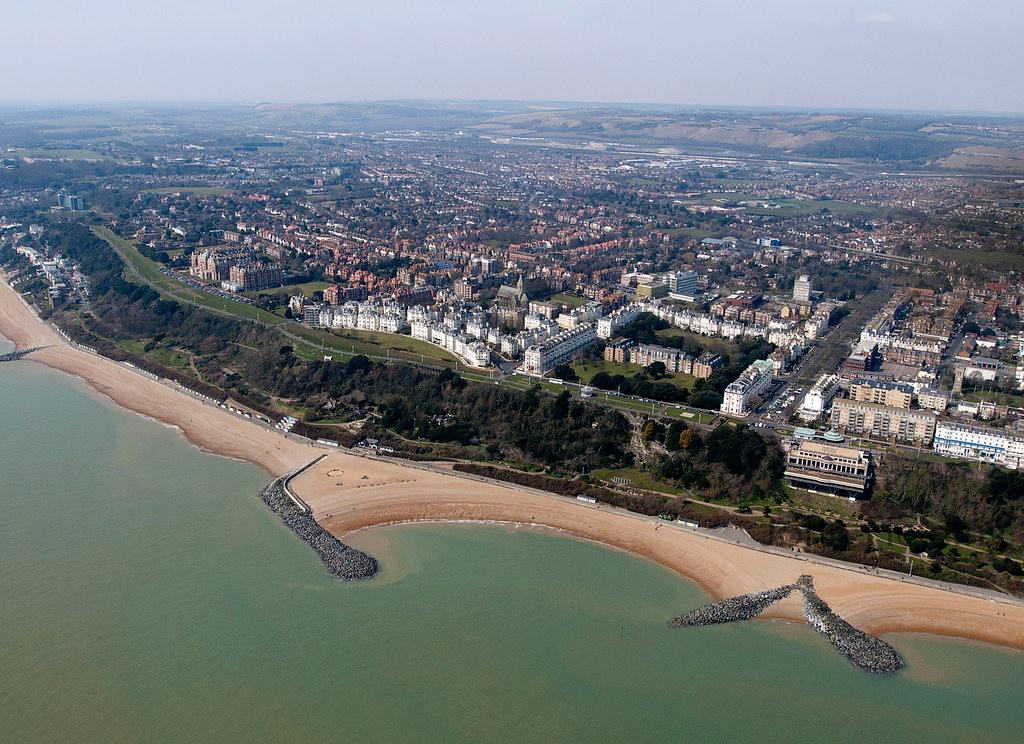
(341, 560)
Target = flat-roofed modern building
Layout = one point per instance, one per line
(681, 284)
(933, 399)
(651, 290)
(802, 289)
(883, 422)
(833, 468)
(883, 392)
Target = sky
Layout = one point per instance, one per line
(960, 55)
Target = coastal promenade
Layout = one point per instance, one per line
(348, 492)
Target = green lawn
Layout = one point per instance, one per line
(996, 396)
(150, 271)
(697, 233)
(801, 207)
(374, 344)
(710, 343)
(307, 289)
(394, 343)
(171, 358)
(588, 368)
(569, 300)
(638, 479)
(822, 504)
(994, 260)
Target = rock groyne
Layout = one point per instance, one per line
(743, 607)
(341, 560)
(862, 649)
(14, 356)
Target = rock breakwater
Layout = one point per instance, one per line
(862, 649)
(743, 607)
(341, 560)
(16, 355)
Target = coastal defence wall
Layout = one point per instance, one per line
(341, 560)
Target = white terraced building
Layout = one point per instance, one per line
(818, 397)
(609, 325)
(472, 352)
(979, 443)
(367, 316)
(742, 392)
(781, 332)
(541, 357)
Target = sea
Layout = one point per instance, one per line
(147, 595)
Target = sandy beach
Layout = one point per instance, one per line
(349, 492)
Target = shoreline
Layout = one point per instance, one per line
(348, 492)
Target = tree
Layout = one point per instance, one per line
(565, 372)
(358, 363)
(647, 433)
(655, 369)
(560, 408)
(835, 536)
(685, 439)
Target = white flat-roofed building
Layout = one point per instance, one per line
(802, 289)
(681, 284)
(818, 398)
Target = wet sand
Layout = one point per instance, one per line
(349, 492)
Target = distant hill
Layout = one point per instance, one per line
(957, 142)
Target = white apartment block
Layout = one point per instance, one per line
(818, 398)
(681, 284)
(742, 392)
(802, 289)
(539, 358)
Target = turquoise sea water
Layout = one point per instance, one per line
(146, 594)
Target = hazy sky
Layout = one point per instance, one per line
(934, 54)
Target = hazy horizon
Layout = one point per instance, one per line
(901, 55)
